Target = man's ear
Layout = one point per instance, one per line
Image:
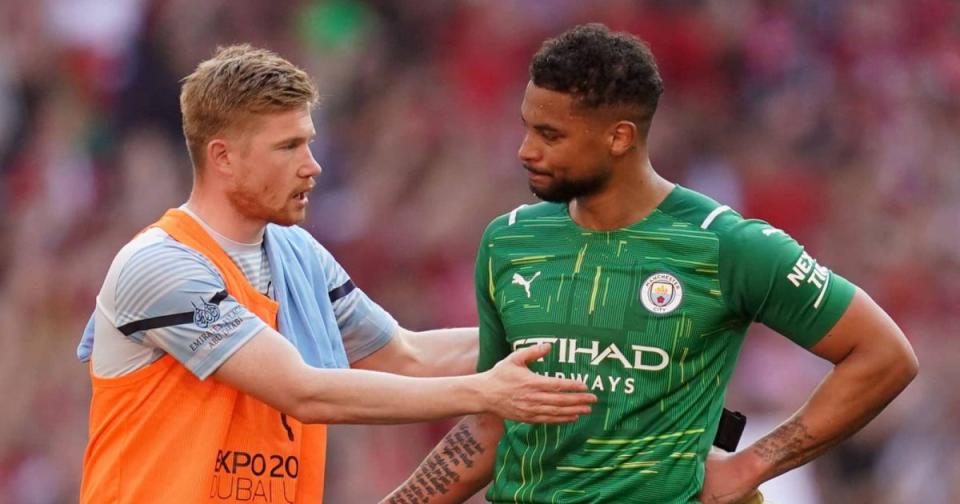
(623, 137)
(218, 156)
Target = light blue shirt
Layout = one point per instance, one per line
(162, 297)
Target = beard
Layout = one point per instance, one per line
(561, 190)
(249, 203)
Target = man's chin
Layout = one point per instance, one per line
(290, 219)
(565, 191)
(545, 194)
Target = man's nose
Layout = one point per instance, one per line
(528, 153)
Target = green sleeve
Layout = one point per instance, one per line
(767, 276)
(493, 341)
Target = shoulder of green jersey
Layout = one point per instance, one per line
(512, 218)
(496, 225)
(713, 215)
(696, 209)
(527, 212)
(751, 230)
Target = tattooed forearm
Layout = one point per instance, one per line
(441, 469)
(789, 446)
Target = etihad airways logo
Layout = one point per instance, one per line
(570, 351)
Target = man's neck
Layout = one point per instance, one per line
(219, 215)
(630, 196)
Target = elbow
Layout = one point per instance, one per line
(305, 406)
(410, 364)
(410, 361)
(909, 365)
(901, 365)
(314, 413)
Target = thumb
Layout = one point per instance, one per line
(529, 354)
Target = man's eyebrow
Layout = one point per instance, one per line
(545, 127)
(539, 127)
(296, 140)
(288, 141)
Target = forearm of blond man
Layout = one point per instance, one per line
(269, 368)
(438, 352)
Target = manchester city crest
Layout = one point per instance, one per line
(661, 293)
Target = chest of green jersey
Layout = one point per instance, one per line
(636, 301)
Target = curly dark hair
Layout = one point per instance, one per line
(600, 68)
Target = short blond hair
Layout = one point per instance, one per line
(238, 81)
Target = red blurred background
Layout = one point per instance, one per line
(837, 121)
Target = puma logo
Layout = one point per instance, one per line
(519, 280)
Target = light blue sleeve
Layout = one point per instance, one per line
(364, 325)
(172, 298)
(85, 348)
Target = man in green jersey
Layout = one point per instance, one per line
(645, 290)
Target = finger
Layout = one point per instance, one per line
(558, 384)
(562, 399)
(543, 409)
(536, 413)
(529, 354)
(569, 410)
(552, 419)
(530, 409)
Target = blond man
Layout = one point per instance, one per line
(224, 334)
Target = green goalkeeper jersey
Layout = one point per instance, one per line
(651, 317)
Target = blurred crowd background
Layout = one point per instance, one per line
(838, 121)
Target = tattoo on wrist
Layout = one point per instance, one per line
(789, 445)
(440, 469)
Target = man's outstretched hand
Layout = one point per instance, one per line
(514, 392)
